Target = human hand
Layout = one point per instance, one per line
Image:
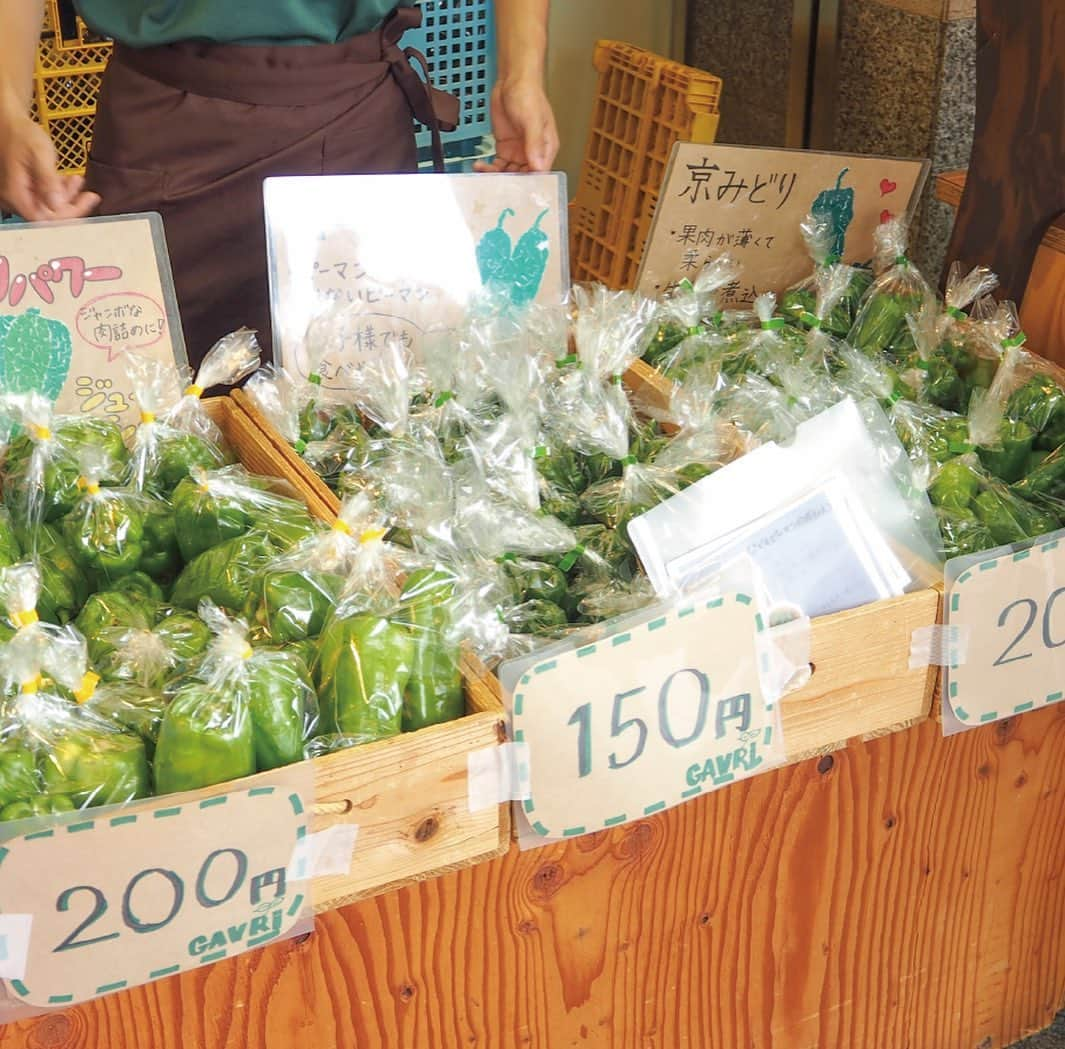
(30, 185)
(524, 128)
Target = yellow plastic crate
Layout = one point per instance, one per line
(644, 105)
(66, 85)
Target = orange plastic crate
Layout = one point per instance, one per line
(644, 105)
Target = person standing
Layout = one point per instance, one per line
(203, 100)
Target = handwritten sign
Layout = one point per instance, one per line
(74, 296)
(1006, 616)
(750, 201)
(124, 896)
(646, 719)
(395, 256)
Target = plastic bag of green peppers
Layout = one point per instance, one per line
(114, 532)
(245, 710)
(898, 292)
(43, 464)
(151, 655)
(213, 506)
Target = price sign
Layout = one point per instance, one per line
(1006, 632)
(109, 900)
(74, 297)
(643, 720)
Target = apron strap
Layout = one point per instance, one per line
(435, 109)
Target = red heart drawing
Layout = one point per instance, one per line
(886, 216)
(887, 186)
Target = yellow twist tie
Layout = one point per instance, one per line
(42, 433)
(341, 526)
(25, 618)
(147, 417)
(247, 653)
(88, 486)
(193, 391)
(32, 686)
(84, 692)
(371, 535)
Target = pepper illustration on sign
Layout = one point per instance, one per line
(837, 206)
(35, 354)
(518, 269)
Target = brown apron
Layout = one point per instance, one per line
(191, 130)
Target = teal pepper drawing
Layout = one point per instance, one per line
(837, 206)
(518, 269)
(35, 354)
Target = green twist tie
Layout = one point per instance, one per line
(894, 397)
(616, 380)
(718, 319)
(508, 556)
(443, 398)
(686, 285)
(774, 324)
(629, 460)
(833, 260)
(563, 362)
(958, 315)
(315, 378)
(540, 451)
(570, 559)
(923, 365)
(697, 329)
(1017, 340)
(901, 260)
(958, 447)
(300, 446)
(810, 320)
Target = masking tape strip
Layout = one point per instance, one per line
(14, 945)
(324, 852)
(498, 774)
(784, 656)
(939, 645)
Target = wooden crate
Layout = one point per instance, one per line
(861, 685)
(408, 795)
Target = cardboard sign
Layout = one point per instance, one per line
(749, 202)
(114, 898)
(646, 719)
(395, 256)
(74, 296)
(1005, 614)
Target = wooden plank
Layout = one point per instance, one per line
(908, 895)
(862, 684)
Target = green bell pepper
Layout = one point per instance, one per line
(206, 738)
(1009, 460)
(184, 634)
(281, 700)
(19, 778)
(206, 519)
(10, 548)
(955, 485)
(362, 670)
(139, 584)
(95, 767)
(225, 573)
(433, 694)
(291, 605)
(539, 617)
(1011, 519)
(1040, 402)
(562, 467)
(64, 586)
(177, 454)
(107, 612)
(35, 807)
(535, 579)
(162, 557)
(105, 534)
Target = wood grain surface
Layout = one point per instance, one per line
(1015, 188)
(1043, 305)
(905, 893)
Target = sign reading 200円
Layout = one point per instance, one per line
(643, 720)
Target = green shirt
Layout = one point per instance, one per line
(145, 23)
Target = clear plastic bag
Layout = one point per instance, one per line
(898, 292)
(248, 710)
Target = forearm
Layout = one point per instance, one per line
(20, 31)
(522, 30)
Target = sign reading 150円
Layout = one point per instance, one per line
(643, 720)
(1005, 633)
(102, 901)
